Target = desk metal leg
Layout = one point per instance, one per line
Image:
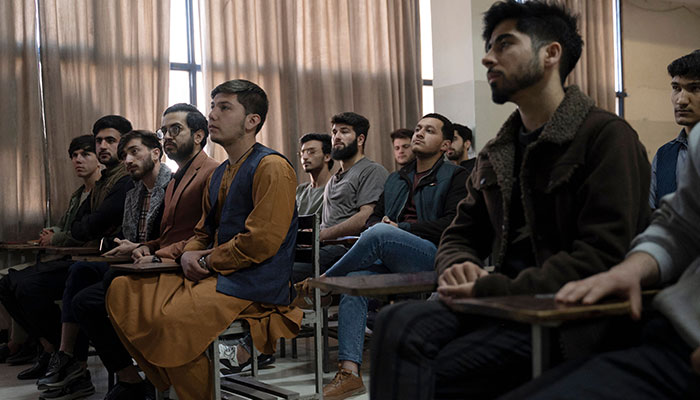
(540, 349)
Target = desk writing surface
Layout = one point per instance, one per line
(20, 246)
(105, 259)
(72, 251)
(148, 267)
(379, 284)
(537, 309)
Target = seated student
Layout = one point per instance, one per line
(237, 266)
(185, 134)
(143, 208)
(401, 143)
(667, 363)
(459, 150)
(29, 295)
(82, 155)
(351, 193)
(556, 196)
(316, 160)
(669, 161)
(418, 203)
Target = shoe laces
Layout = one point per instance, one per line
(340, 376)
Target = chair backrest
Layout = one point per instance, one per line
(309, 241)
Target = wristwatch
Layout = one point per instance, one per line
(203, 263)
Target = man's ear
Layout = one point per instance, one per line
(467, 145)
(198, 137)
(552, 54)
(252, 121)
(361, 139)
(445, 145)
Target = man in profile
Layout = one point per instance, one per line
(459, 150)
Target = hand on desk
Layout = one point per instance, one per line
(141, 254)
(45, 237)
(624, 280)
(190, 265)
(124, 248)
(457, 281)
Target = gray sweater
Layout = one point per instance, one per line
(673, 239)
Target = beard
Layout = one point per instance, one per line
(182, 153)
(345, 153)
(147, 167)
(523, 80)
(456, 154)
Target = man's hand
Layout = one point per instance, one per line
(457, 281)
(624, 280)
(45, 237)
(140, 252)
(190, 265)
(323, 235)
(123, 248)
(386, 220)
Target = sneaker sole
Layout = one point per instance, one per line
(68, 379)
(81, 394)
(345, 395)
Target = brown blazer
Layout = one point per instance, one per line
(183, 208)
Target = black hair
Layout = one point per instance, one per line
(195, 119)
(121, 124)
(544, 22)
(251, 96)
(448, 132)
(84, 142)
(464, 132)
(687, 66)
(359, 123)
(401, 133)
(148, 138)
(325, 140)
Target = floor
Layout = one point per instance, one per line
(292, 374)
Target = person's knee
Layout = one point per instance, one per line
(378, 232)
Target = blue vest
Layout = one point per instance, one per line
(267, 282)
(666, 160)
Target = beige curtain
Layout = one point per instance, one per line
(316, 58)
(21, 155)
(595, 71)
(100, 57)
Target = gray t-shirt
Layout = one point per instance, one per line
(309, 199)
(346, 192)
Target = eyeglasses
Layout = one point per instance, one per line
(173, 130)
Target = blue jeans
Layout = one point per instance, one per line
(381, 249)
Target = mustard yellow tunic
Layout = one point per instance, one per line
(168, 321)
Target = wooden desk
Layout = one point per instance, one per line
(72, 251)
(543, 313)
(378, 285)
(22, 248)
(104, 259)
(148, 267)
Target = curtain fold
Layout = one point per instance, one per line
(22, 176)
(98, 58)
(316, 58)
(595, 71)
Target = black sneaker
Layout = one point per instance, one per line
(26, 354)
(38, 369)
(78, 388)
(132, 391)
(264, 360)
(62, 370)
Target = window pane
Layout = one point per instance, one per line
(197, 33)
(178, 31)
(179, 87)
(428, 100)
(426, 40)
(202, 98)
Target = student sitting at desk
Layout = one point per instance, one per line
(556, 196)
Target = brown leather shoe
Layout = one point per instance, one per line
(344, 385)
(305, 296)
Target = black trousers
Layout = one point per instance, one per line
(30, 297)
(423, 350)
(327, 256)
(89, 310)
(657, 369)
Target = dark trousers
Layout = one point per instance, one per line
(657, 369)
(327, 256)
(88, 308)
(423, 350)
(80, 276)
(30, 297)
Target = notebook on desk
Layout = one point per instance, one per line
(148, 267)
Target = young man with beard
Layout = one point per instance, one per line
(417, 204)
(459, 149)
(29, 295)
(237, 266)
(401, 143)
(82, 155)
(316, 160)
(556, 196)
(669, 161)
(185, 135)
